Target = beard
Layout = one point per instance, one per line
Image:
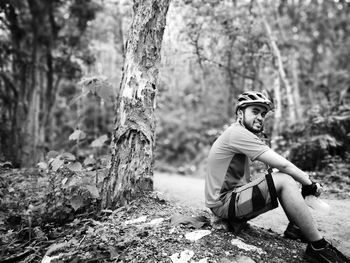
(251, 128)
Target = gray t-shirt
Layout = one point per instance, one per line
(228, 162)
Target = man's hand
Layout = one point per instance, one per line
(311, 189)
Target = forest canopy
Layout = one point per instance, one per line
(294, 51)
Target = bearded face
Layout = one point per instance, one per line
(253, 118)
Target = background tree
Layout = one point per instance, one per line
(43, 47)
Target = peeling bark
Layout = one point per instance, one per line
(131, 170)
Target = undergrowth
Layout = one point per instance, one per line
(142, 231)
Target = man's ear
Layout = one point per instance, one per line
(239, 114)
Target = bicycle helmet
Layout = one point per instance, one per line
(253, 98)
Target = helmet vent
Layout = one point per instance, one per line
(252, 97)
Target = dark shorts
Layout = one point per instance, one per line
(248, 201)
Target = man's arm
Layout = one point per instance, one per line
(275, 160)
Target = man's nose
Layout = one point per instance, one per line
(260, 117)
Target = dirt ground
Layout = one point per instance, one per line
(156, 227)
(149, 229)
(335, 225)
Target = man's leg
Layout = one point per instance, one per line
(318, 250)
(247, 202)
(294, 205)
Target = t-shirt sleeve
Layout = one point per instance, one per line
(244, 141)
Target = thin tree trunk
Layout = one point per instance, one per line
(278, 111)
(277, 54)
(296, 91)
(203, 72)
(119, 36)
(231, 79)
(134, 135)
(31, 125)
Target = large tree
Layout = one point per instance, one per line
(40, 43)
(134, 135)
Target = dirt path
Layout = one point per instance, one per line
(189, 191)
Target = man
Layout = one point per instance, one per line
(231, 194)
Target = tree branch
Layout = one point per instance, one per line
(234, 70)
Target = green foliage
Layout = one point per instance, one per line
(85, 127)
(75, 180)
(307, 155)
(97, 86)
(183, 141)
(337, 169)
(325, 134)
(73, 186)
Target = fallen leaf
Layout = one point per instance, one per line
(243, 259)
(155, 221)
(76, 202)
(183, 257)
(55, 247)
(196, 235)
(195, 221)
(48, 259)
(137, 220)
(240, 244)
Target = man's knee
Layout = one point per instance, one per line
(282, 181)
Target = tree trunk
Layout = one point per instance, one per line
(30, 134)
(277, 54)
(278, 112)
(296, 90)
(232, 86)
(119, 36)
(203, 71)
(134, 135)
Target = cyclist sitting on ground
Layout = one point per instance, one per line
(231, 194)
